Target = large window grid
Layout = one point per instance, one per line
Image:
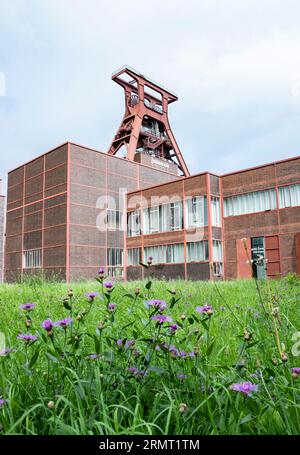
(133, 256)
(113, 219)
(215, 211)
(257, 201)
(163, 218)
(197, 251)
(195, 212)
(165, 254)
(32, 259)
(289, 196)
(134, 223)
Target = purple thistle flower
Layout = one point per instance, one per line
(173, 328)
(161, 318)
(2, 402)
(244, 387)
(63, 322)
(129, 343)
(101, 271)
(6, 351)
(295, 371)
(156, 303)
(93, 356)
(120, 342)
(149, 260)
(174, 351)
(109, 285)
(111, 307)
(47, 325)
(27, 306)
(92, 295)
(27, 337)
(208, 309)
(181, 376)
(133, 370)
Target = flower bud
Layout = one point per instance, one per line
(79, 317)
(137, 291)
(101, 325)
(182, 317)
(284, 357)
(51, 405)
(182, 408)
(247, 335)
(28, 322)
(274, 361)
(70, 293)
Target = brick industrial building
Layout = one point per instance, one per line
(65, 209)
(2, 212)
(207, 226)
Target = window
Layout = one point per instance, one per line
(165, 253)
(217, 268)
(32, 259)
(134, 224)
(196, 211)
(289, 196)
(113, 219)
(217, 251)
(197, 251)
(114, 256)
(162, 218)
(133, 256)
(257, 201)
(215, 211)
(176, 215)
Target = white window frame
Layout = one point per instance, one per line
(32, 259)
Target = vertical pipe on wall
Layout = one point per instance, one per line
(68, 214)
(210, 242)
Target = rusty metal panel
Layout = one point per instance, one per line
(244, 269)
(297, 242)
(55, 235)
(54, 256)
(272, 255)
(55, 215)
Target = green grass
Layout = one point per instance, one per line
(244, 336)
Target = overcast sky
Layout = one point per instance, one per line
(235, 66)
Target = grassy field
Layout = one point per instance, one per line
(123, 367)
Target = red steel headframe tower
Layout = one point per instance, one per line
(145, 127)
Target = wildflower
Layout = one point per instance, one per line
(120, 342)
(92, 295)
(149, 260)
(108, 285)
(27, 306)
(101, 271)
(28, 323)
(70, 293)
(79, 317)
(129, 343)
(284, 357)
(51, 405)
(182, 317)
(27, 337)
(137, 291)
(174, 351)
(247, 335)
(93, 356)
(181, 376)
(101, 325)
(2, 402)
(161, 318)
(173, 328)
(47, 325)
(6, 351)
(133, 370)
(156, 303)
(244, 387)
(111, 307)
(182, 408)
(295, 372)
(63, 322)
(208, 309)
